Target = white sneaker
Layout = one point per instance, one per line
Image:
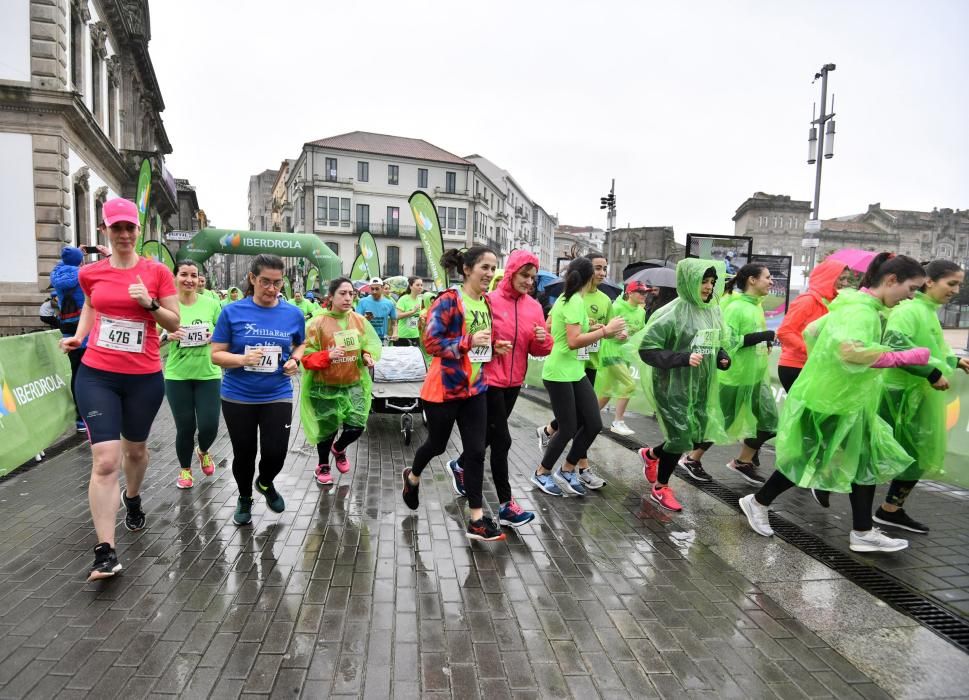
(874, 540)
(591, 481)
(619, 427)
(756, 515)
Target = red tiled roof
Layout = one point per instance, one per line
(400, 146)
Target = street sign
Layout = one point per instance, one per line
(812, 226)
(810, 242)
(180, 235)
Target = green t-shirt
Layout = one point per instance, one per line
(563, 364)
(192, 358)
(407, 328)
(598, 306)
(477, 318)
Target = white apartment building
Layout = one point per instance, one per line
(543, 232)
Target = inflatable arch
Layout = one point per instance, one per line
(210, 241)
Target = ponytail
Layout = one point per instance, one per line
(577, 276)
(884, 264)
(739, 281)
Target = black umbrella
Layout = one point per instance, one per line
(608, 288)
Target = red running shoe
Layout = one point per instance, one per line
(323, 477)
(342, 463)
(664, 496)
(650, 464)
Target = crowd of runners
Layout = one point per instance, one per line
(864, 365)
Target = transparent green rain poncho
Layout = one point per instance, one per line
(911, 406)
(614, 378)
(830, 434)
(686, 398)
(342, 393)
(745, 395)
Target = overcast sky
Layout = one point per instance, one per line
(690, 106)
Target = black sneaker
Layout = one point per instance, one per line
(485, 530)
(822, 497)
(756, 459)
(899, 519)
(694, 469)
(411, 491)
(134, 517)
(106, 562)
(748, 471)
(274, 501)
(243, 514)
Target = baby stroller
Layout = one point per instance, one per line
(397, 380)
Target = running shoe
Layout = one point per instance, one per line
(590, 480)
(323, 476)
(546, 483)
(106, 562)
(485, 530)
(411, 491)
(342, 463)
(650, 464)
(619, 427)
(457, 478)
(274, 501)
(748, 471)
(134, 517)
(757, 516)
(899, 519)
(543, 438)
(755, 460)
(823, 498)
(81, 428)
(663, 495)
(874, 540)
(694, 469)
(513, 515)
(243, 514)
(208, 464)
(184, 480)
(569, 482)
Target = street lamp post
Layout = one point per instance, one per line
(820, 139)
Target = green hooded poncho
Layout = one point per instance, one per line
(686, 398)
(228, 296)
(342, 393)
(909, 403)
(745, 395)
(830, 434)
(614, 379)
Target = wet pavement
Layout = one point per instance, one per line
(349, 594)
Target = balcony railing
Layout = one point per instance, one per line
(393, 270)
(421, 271)
(384, 229)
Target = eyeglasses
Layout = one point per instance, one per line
(269, 284)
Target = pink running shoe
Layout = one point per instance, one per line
(323, 475)
(184, 480)
(664, 496)
(342, 463)
(208, 464)
(650, 464)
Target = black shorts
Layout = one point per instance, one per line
(114, 405)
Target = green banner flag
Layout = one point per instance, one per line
(311, 279)
(36, 406)
(287, 288)
(367, 264)
(429, 229)
(158, 251)
(141, 201)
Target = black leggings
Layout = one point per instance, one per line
(898, 491)
(591, 374)
(266, 424)
(501, 401)
(407, 343)
(75, 357)
(194, 404)
(115, 405)
(471, 416)
(577, 410)
(862, 498)
(350, 434)
(787, 375)
(667, 463)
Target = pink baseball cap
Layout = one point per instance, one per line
(116, 210)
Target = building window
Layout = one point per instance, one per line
(334, 211)
(80, 216)
(453, 220)
(344, 211)
(363, 218)
(422, 177)
(321, 210)
(334, 246)
(392, 266)
(462, 219)
(112, 112)
(102, 238)
(331, 170)
(450, 182)
(77, 47)
(420, 267)
(393, 174)
(393, 220)
(96, 95)
(363, 171)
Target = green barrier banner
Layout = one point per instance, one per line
(429, 229)
(141, 201)
(311, 280)
(36, 405)
(957, 417)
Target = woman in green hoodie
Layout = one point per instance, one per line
(235, 294)
(615, 380)
(683, 346)
(914, 400)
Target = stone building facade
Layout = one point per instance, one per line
(80, 107)
(776, 224)
(629, 245)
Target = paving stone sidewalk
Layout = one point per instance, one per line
(349, 594)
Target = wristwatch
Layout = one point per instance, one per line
(154, 306)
